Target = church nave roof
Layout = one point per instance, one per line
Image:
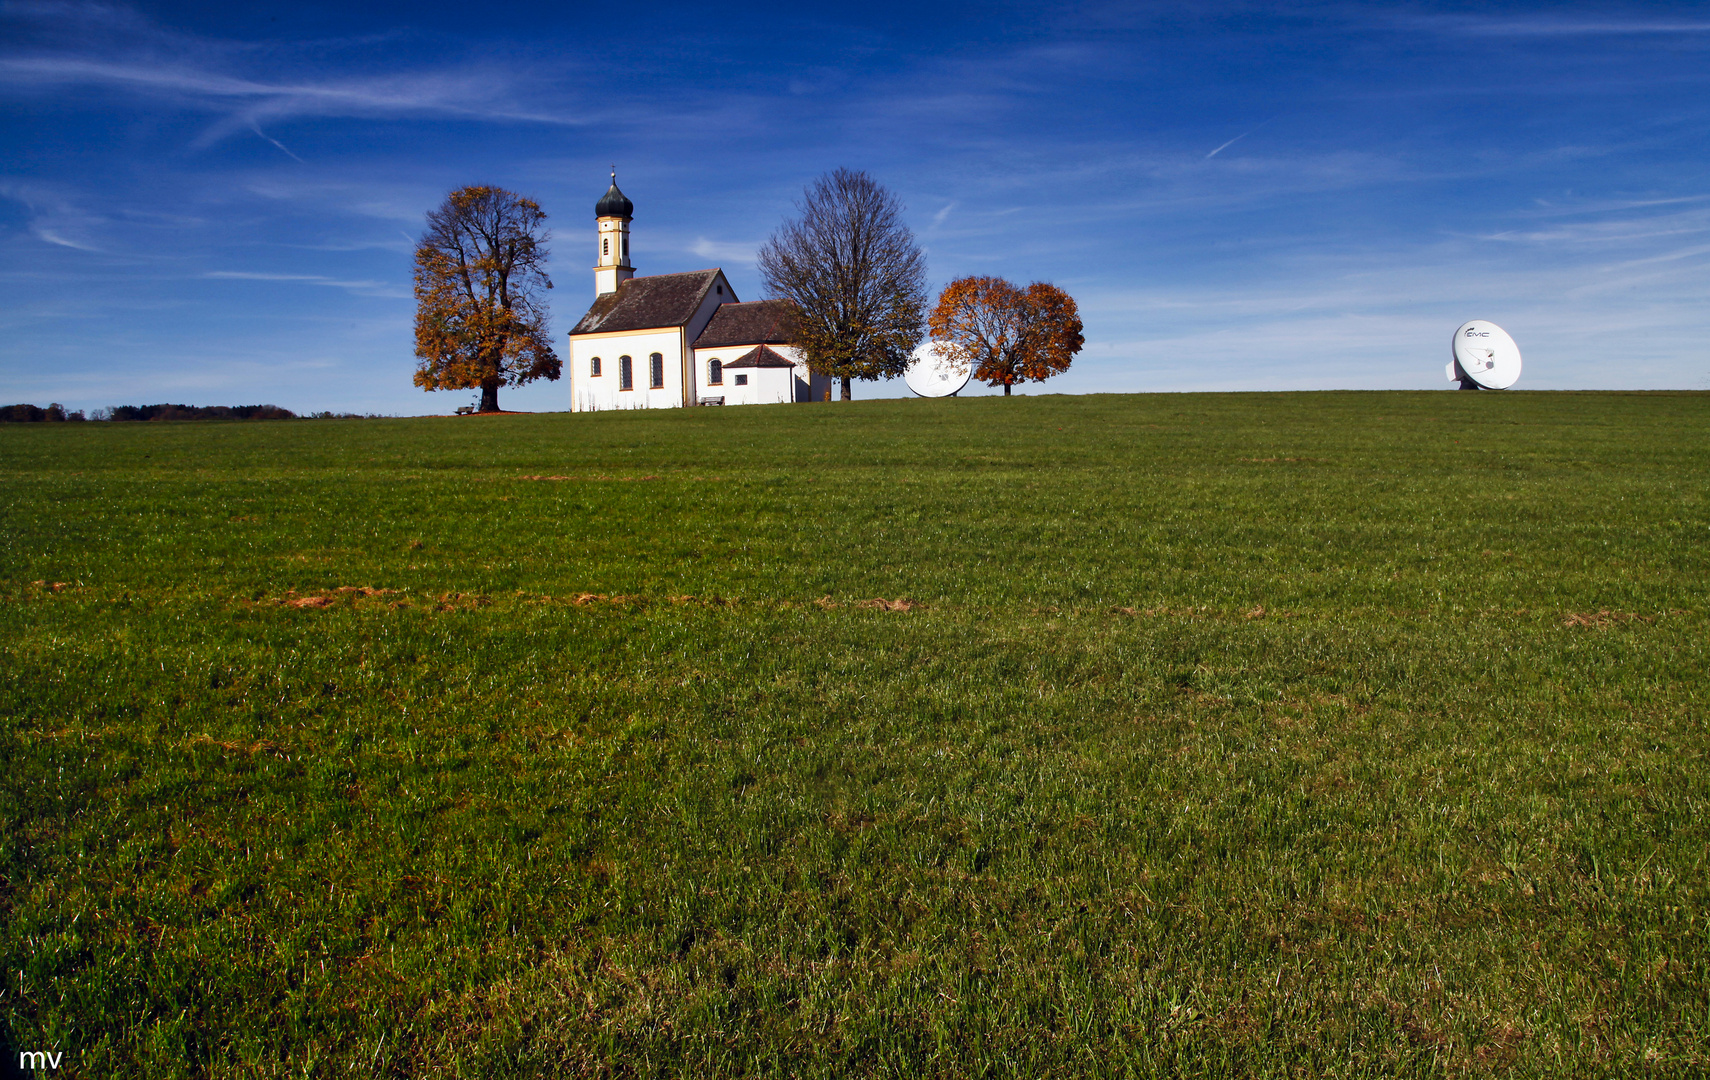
(758, 322)
(648, 303)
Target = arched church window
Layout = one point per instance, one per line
(656, 371)
(715, 373)
(625, 373)
(594, 367)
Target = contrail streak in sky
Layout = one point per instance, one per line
(1233, 141)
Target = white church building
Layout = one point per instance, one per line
(671, 340)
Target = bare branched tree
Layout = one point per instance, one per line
(480, 295)
(855, 275)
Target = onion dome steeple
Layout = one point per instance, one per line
(613, 203)
(612, 268)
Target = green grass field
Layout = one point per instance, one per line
(1235, 735)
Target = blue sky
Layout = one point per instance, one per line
(216, 203)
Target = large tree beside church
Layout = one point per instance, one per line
(855, 275)
(481, 295)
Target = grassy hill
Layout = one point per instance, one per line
(1300, 734)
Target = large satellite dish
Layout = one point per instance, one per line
(1485, 357)
(932, 374)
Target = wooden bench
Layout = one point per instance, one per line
(719, 400)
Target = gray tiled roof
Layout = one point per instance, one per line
(760, 356)
(648, 303)
(759, 322)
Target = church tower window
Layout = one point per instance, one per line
(625, 373)
(715, 373)
(606, 246)
(656, 371)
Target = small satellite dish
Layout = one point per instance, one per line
(932, 374)
(1485, 357)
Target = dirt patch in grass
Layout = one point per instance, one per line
(260, 746)
(624, 478)
(899, 604)
(1600, 619)
(588, 598)
(348, 595)
(325, 600)
(460, 601)
(1202, 612)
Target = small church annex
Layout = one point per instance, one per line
(672, 340)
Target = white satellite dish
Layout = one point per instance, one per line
(1485, 357)
(932, 374)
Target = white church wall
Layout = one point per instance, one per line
(590, 393)
(764, 386)
(703, 370)
(786, 384)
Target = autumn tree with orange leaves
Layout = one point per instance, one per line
(1006, 334)
(480, 295)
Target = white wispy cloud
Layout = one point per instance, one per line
(52, 237)
(1551, 25)
(361, 288)
(469, 93)
(724, 251)
(1604, 224)
(116, 49)
(55, 216)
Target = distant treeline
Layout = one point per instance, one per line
(54, 413)
(30, 414)
(197, 412)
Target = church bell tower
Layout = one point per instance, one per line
(612, 268)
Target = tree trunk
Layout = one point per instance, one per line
(847, 395)
(490, 397)
(1005, 389)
